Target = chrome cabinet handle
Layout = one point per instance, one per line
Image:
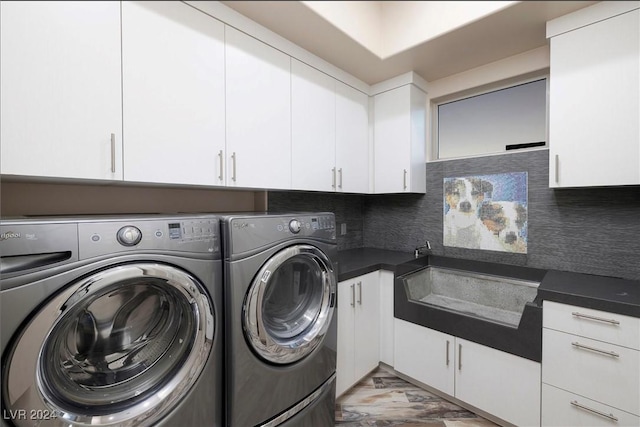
(333, 181)
(586, 347)
(113, 153)
(459, 357)
(599, 319)
(557, 168)
(405, 180)
(221, 155)
(340, 180)
(447, 359)
(360, 293)
(594, 411)
(353, 295)
(233, 163)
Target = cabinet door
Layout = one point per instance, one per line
(313, 129)
(392, 135)
(386, 317)
(425, 355)
(173, 93)
(499, 383)
(345, 376)
(594, 107)
(352, 139)
(399, 140)
(367, 318)
(258, 114)
(61, 95)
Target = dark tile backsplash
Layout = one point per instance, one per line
(587, 230)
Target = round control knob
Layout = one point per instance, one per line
(129, 235)
(295, 226)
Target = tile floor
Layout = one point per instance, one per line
(382, 399)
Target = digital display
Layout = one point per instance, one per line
(175, 231)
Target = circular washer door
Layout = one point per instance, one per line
(289, 305)
(120, 347)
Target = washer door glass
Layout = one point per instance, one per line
(289, 305)
(125, 346)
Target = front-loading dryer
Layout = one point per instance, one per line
(112, 321)
(280, 340)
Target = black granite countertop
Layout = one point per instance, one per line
(610, 294)
(356, 262)
(621, 296)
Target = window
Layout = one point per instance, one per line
(494, 122)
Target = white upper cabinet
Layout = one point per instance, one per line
(61, 92)
(258, 113)
(399, 140)
(313, 128)
(352, 140)
(594, 101)
(330, 122)
(173, 94)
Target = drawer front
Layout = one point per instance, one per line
(558, 410)
(600, 371)
(598, 325)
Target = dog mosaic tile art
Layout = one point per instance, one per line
(486, 212)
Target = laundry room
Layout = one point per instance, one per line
(292, 213)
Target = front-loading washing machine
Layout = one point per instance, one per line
(111, 321)
(280, 340)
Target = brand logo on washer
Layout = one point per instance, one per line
(9, 235)
(243, 225)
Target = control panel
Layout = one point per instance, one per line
(303, 225)
(254, 232)
(183, 234)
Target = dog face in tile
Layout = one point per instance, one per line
(463, 197)
(506, 221)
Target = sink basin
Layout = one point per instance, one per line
(488, 297)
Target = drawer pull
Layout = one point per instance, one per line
(353, 295)
(447, 358)
(599, 319)
(602, 414)
(586, 347)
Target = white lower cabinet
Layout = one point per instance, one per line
(386, 317)
(496, 382)
(499, 383)
(562, 409)
(591, 367)
(358, 329)
(425, 355)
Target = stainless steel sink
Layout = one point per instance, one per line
(496, 298)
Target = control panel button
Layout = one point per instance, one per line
(129, 235)
(295, 226)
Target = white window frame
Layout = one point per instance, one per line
(433, 150)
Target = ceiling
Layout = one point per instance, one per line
(517, 28)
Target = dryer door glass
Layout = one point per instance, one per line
(290, 304)
(125, 345)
